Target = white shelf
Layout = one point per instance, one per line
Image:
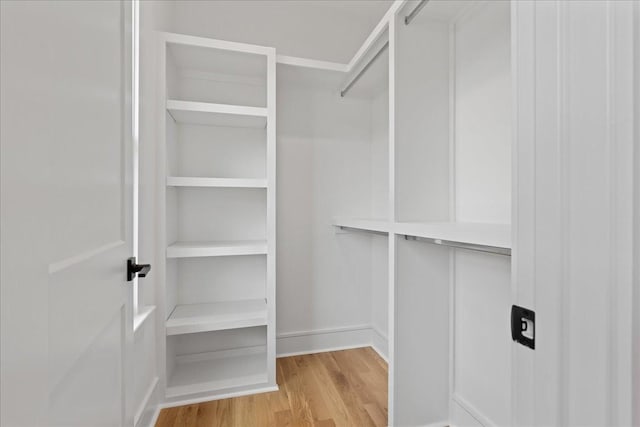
(204, 113)
(185, 181)
(211, 372)
(192, 318)
(478, 234)
(217, 248)
(376, 225)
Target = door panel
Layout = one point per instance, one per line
(574, 214)
(67, 203)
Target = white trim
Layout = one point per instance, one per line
(174, 38)
(154, 417)
(322, 331)
(471, 410)
(375, 34)
(212, 397)
(145, 401)
(271, 221)
(391, 242)
(379, 339)
(311, 63)
(142, 315)
(323, 340)
(324, 350)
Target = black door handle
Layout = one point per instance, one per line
(133, 269)
(523, 321)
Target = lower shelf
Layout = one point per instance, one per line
(211, 372)
(191, 318)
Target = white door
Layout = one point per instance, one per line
(574, 256)
(66, 212)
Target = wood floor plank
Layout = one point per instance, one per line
(339, 411)
(334, 389)
(357, 415)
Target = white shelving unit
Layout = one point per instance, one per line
(218, 189)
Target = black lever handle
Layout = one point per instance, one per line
(133, 269)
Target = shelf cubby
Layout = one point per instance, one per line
(216, 371)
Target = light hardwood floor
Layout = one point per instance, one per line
(338, 388)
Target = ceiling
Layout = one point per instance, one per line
(329, 30)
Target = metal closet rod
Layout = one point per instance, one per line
(362, 230)
(459, 245)
(364, 69)
(415, 11)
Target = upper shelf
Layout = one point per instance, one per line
(375, 225)
(495, 238)
(487, 237)
(204, 113)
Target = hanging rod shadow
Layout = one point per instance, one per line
(415, 11)
(364, 69)
(461, 245)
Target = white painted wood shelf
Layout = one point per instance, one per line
(193, 318)
(477, 234)
(222, 370)
(216, 248)
(186, 181)
(375, 225)
(205, 113)
(461, 234)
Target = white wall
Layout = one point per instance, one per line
(483, 114)
(324, 170)
(326, 29)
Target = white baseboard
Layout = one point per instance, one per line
(148, 411)
(380, 343)
(464, 413)
(142, 408)
(217, 396)
(322, 340)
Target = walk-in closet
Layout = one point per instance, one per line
(347, 213)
